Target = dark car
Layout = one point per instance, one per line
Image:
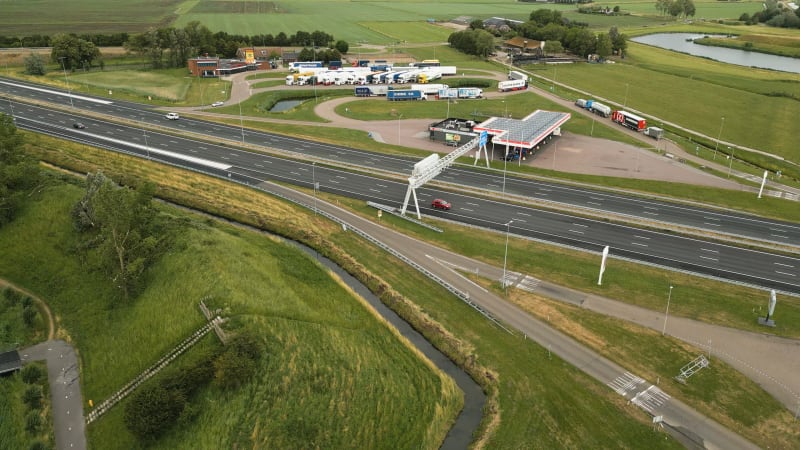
(440, 204)
(79, 125)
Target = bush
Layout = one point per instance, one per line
(151, 411)
(237, 364)
(31, 373)
(33, 396)
(38, 445)
(29, 315)
(33, 421)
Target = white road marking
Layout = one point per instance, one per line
(711, 259)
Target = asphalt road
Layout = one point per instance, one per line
(65, 391)
(717, 221)
(757, 268)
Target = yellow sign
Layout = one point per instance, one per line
(249, 56)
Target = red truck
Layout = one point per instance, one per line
(629, 120)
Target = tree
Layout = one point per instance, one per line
(19, 173)
(603, 46)
(544, 16)
(552, 47)
(152, 411)
(123, 221)
(476, 24)
(73, 52)
(342, 47)
(35, 65)
(237, 364)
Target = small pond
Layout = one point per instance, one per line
(285, 105)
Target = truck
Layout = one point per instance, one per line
(371, 91)
(512, 85)
(447, 70)
(654, 132)
(408, 77)
(405, 94)
(517, 75)
(427, 63)
(429, 89)
(448, 93)
(580, 103)
(380, 67)
(598, 108)
(428, 74)
(300, 65)
(470, 92)
(629, 120)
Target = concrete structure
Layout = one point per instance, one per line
(527, 133)
(10, 362)
(452, 131)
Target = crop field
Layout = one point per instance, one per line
(23, 17)
(333, 373)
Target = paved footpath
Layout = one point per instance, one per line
(65, 391)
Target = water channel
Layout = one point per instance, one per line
(284, 105)
(682, 42)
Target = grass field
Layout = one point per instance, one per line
(525, 373)
(325, 349)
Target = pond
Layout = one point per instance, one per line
(682, 42)
(285, 105)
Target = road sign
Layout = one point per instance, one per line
(484, 138)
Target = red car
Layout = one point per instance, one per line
(440, 204)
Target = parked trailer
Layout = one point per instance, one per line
(512, 85)
(405, 94)
(299, 66)
(429, 89)
(629, 120)
(654, 132)
(447, 70)
(598, 108)
(448, 93)
(371, 91)
(517, 75)
(470, 93)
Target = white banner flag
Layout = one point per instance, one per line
(603, 266)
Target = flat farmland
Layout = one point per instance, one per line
(27, 17)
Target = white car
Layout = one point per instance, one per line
(172, 116)
(215, 104)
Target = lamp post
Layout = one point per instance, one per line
(69, 91)
(241, 121)
(400, 116)
(719, 136)
(625, 102)
(146, 147)
(505, 258)
(730, 165)
(666, 314)
(314, 180)
(505, 164)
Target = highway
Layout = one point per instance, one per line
(758, 268)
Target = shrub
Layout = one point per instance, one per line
(33, 396)
(38, 445)
(151, 411)
(29, 315)
(31, 373)
(33, 421)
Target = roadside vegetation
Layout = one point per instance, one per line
(521, 373)
(328, 363)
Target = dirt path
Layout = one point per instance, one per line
(42, 306)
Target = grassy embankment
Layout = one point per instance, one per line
(14, 412)
(524, 371)
(333, 373)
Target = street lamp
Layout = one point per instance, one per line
(664, 330)
(146, 147)
(241, 121)
(69, 91)
(718, 138)
(625, 102)
(505, 258)
(400, 116)
(505, 164)
(314, 180)
(730, 165)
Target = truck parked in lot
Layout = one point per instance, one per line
(629, 120)
(598, 108)
(405, 94)
(512, 85)
(517, 75)
(654, 132)
(371, 91)
(429, 89)
(300, 65)
(460, 93)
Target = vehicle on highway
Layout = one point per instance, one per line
(215, 104)
(440, 204)
(79, 125)
(172, 116)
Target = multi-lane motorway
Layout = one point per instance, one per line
(759, 268)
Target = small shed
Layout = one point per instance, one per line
(10, 362)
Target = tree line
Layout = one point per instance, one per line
(773, 14)
(548, 26)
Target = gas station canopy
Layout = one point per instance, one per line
(527, 132)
